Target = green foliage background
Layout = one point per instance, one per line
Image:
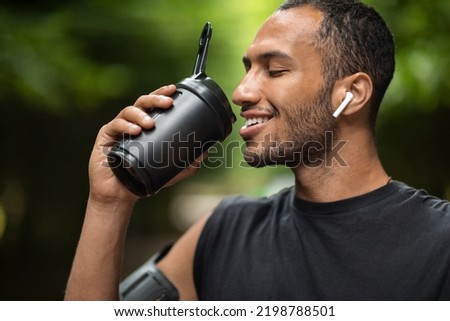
(67, 67)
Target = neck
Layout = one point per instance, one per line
(356, 171)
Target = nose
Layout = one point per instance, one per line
(248, 92)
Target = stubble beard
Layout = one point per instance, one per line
(305, 136)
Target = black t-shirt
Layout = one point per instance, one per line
(390, 244)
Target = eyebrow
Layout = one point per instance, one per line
(266, 56)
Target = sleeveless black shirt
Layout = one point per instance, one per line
(390, 244)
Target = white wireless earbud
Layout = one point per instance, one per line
(345, 102)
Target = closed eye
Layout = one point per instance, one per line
(276, 72)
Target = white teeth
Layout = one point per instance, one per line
(254, 121)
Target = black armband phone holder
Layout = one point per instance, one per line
(148, 283)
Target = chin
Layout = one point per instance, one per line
(260, 157)
(256, 158)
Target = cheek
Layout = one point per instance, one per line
(294, 89)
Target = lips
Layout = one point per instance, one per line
(254, 122)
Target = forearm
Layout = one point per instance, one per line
(96, 268)
(97, 264)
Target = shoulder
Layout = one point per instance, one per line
(421, 200)
(241, 208)
(431, 213)
(225, 221)
(242, 201)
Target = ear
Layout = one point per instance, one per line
(360, 85)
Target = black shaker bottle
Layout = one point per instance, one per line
(200, 117)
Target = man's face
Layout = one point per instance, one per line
(285, 102)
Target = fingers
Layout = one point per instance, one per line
(192, 169)
(157, 99)
(132, 119)
(168, 90)
(136, 117)
(119, 126)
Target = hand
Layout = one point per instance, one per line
(192, 169)
(104, 186)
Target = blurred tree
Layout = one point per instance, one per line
(67, 67)
(413, 133)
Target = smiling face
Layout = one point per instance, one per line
(285, 102)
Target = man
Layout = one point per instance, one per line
(345, 231)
